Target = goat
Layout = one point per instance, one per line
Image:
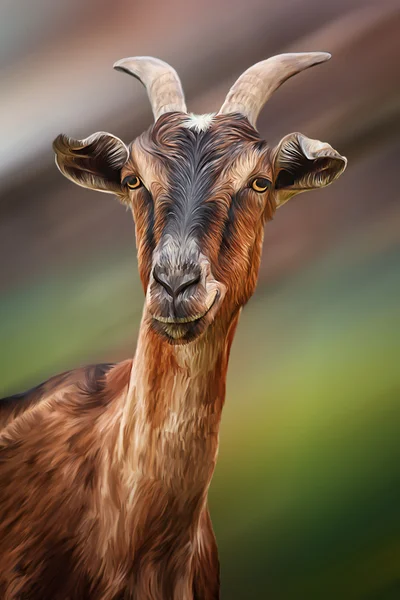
(105, 470)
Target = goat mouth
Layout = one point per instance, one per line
(188, 319)
(184, 330)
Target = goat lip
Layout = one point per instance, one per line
(187, 320)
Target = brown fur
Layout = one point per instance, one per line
(105, 471)
(71, 526)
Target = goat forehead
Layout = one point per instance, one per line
(199, 122)
(187, 147)
(193, 177)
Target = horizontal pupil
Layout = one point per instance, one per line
(133, 182)
(260, 184)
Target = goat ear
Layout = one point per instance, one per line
(301, 164)
(94, 162)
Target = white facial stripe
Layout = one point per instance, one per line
(199, 122)
(243, 167)
(148, 169)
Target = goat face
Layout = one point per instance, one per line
(197, 217)
(200, 189)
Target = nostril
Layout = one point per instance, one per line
(162, 279)
(175, 284)
(187, 280)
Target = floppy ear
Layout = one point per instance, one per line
(301, 164)
(94, 162)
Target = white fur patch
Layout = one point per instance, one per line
(199, 122)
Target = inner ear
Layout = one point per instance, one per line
(94, 162)
(317, 171)
(301, 164)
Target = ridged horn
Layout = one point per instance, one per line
(256, 85)
(160, 80)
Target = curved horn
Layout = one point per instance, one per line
(253, 88)
(160, 80)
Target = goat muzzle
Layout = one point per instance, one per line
(183, 301)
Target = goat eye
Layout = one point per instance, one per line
(132, 182)
(260, 184)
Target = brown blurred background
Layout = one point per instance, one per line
(306, 496)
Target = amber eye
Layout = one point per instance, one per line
(260, 184)
(132, 182)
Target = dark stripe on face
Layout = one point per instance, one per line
(190, 206)
(229, 228)
(150, 242)
(191, 180)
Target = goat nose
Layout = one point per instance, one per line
(175, 283)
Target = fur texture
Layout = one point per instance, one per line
(105, 471)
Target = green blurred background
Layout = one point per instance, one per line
(306, 496)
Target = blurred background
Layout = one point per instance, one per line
(306, 496)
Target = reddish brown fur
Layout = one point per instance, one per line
(56, 521)
(105, 471)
